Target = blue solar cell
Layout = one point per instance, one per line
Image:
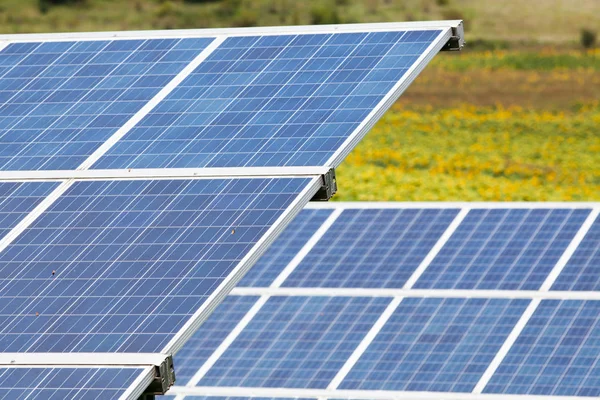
(296, 342)
(435, 345)
(556, 354)
(283, 250)
(372, 248)
(17, 199)
(271, 101)
(66, 383)
(122, 265)
(503, 249)
(582, 272)
(213, 331)
(59, 101)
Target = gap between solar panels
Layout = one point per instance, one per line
(254, 159)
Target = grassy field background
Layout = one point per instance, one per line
(516, 116)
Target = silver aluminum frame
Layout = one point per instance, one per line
(156, 173)
(347, 394)
(421, 293)
(82, 359)
(351, 205)
(262, 31)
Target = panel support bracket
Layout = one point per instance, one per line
(164, 378)
(328, 186)
(457, 40)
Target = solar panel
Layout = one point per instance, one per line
(289, 100)
(556, 354)
(121, 266)
(61, 100)
(67, 383)
(450, 342)
(137, 172)
(503, 249)
(381, 239)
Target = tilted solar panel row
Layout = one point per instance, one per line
(121, 237)
(331, 335)
(268, 100)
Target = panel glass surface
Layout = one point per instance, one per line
(582, 271)
(211, 334)
(285, 248)
(512, 249)
(120, 266)
(372, 248)
(286, 100)
(66, 383)
(17, 199)
(59, 101)
(296, 342)
(556, 354)
(435, 345)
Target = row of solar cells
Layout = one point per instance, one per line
(428, 344)
(495, 248)
(254, 101)
(58, 383)
(121, 266)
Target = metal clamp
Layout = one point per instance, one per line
(328, 187)
(457, 40)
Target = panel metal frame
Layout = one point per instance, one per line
(347, 394)
(421, 293)
(357, 205)
(456, 25)
(158, 173)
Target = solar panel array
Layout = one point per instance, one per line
(357, 313)
(118, 234)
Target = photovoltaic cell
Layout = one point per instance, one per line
(556, 354)
(59, 101)
(66, 383)
(285, 247)
(285, 100)
(296, 342)
(512, 249)
(372, 248)
(17, 199)
(435, 344)
(582, 271)
(120, 266)
(211, 334)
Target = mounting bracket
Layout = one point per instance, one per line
(328, 187)
(164, 378)
(457, 40)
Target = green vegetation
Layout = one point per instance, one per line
(476, 153)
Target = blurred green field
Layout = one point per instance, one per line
(513, 117)
(470, 153)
